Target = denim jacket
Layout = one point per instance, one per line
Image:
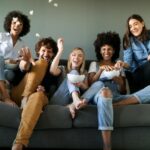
(137, 54)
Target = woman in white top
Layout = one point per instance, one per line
(16, 25)
(108, 86)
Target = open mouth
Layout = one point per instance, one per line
(16, 30)
(46, 58)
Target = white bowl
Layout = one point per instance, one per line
(75, 78)
(111, 74)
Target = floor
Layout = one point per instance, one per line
(50, 149)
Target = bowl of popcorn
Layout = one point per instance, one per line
(111, 74)
(73, 78)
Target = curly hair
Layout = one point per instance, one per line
(49, 43)
(21, 17)
(107, 38)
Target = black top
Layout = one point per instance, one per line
(48, 80)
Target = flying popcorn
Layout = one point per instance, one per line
(31, 12)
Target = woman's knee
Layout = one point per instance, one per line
(106, 92)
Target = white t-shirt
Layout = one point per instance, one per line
(105, 75)
(7, 50)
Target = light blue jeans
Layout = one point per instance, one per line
(104, 105)
(92, 90)
(5, 74)
(62, 95)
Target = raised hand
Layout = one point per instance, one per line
(25, 55)
(60, 44)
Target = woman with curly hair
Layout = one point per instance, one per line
(108, 85)
(16, 25)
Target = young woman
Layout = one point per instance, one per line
(136, 43)
(16, 25)
(68, 91)
(43, 75)
(105, 91)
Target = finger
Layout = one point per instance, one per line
(19, 58)
(32, 61)
(20, 52)
(108, 68)
(23, 51)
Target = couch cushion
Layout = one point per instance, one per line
(132, 115)
(124, 116)
(9, 116)
(86, 117)
(53, 116)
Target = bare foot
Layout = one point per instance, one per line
(82, 103)
(79, 103)
(17, 147)
(10, 102)
(72, 110)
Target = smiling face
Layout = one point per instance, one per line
(135, 27)
(76, 58)
(107, 52)
(45, 53)
(16, 27)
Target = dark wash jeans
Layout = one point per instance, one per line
(140, 78)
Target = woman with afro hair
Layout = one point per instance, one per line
(107, 79)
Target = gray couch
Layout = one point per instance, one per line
(55, 128)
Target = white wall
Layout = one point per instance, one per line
(77, 21)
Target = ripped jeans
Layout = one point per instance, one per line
(104, 105)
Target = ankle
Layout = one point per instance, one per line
(106, 147)
(17, 146)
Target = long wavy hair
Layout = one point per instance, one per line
(142, 37)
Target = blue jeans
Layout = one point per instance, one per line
(143, 95)
(5, 74)
(2, 67)
(92, 90)
(104, 105)
(62, 95)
